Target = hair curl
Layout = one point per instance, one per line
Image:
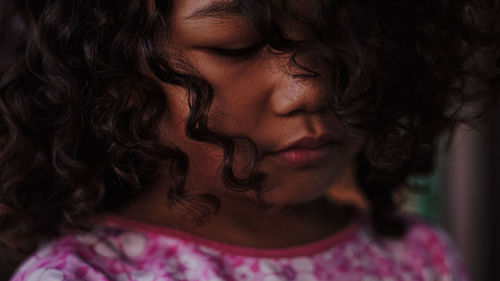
(79, 119)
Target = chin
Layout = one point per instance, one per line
(296, 188)
(296, 185)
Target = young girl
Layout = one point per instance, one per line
(196, 139)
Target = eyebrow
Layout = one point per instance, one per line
(217, 9)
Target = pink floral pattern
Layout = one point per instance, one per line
(123, 250)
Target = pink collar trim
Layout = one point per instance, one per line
(345, 234)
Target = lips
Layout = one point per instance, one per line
(307, 151)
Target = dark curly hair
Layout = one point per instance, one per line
(79, 118)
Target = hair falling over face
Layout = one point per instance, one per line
(100, 99)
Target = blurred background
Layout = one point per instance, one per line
(464, 197)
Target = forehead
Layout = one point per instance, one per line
(206, 9)
(201, 9)
(199, 13)
(208, 19)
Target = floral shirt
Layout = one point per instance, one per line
(120, 249)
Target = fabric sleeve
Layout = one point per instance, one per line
(56, 264)
(437, 251)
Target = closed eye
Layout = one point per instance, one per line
(236, 55)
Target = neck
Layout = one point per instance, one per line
(243, 222)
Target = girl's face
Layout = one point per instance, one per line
(301, 147)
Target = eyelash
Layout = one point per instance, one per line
(237, 55)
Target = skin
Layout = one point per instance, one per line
(255, 96)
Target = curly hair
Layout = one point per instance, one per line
(79, 118)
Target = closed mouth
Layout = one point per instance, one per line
(305, 152)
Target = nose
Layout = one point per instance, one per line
(291, 95)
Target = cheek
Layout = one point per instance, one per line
(204, 159)
(241, 93)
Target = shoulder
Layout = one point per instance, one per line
(67, 258)
(428, 249)
(431, 241)
(108, 253)
(62, 259)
